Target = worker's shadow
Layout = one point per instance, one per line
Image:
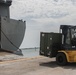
(52, 64)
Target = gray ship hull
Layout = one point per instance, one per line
(12, 34)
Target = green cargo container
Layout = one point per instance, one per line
(50, 43)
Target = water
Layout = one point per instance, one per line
(30, 52)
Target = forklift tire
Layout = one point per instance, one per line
(61, 59)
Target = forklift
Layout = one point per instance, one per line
(61, 45)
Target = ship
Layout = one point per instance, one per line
(11, 31)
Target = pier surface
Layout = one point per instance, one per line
(18, 65)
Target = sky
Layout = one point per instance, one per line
(42, 16)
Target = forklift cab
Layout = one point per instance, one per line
(68, 37)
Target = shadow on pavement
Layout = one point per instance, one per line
(49, 64)
(53, 64)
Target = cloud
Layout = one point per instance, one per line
(42, 8)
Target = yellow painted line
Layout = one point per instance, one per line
(20, 59)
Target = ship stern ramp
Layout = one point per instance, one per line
(12, 34)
